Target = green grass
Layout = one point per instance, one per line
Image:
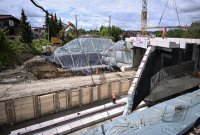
(12, 50)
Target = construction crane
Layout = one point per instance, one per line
(144, 17)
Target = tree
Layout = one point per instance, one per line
(53, 25)
(60, 26)
(3, 39)
(116, 33)
(104, 31)
(113, 33)
(25, 29)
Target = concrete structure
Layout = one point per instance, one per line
(164, 59)
(73, 122)
(173, 42)
(20, 102)
(175, 116)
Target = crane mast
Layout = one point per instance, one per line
(144, 17)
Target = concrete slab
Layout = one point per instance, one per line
(71, 116)
(122, 100)
(64, 129)
(38, 134)
(76, 125)
(79, 121)
(57, 120)
(33, 127)
(108, 105)
(106, 115)
(152, 120)
(46, 123)
(114, 112)
(87, 121)
(17, 132)
(98, 118)
(52, 131)
(95, 108)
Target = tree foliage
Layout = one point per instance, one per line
(53, 25)
(114, 32)
(3, 40)
(25, 29)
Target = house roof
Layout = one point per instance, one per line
(3, 17)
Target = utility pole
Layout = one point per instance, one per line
(48, 34)
(144, 17)
(76, 23)
(109, 27)
(110, 21)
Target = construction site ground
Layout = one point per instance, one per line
(38, 87)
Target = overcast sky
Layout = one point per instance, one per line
(94, 13)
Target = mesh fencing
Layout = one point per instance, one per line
(81, 53)
(90, 53)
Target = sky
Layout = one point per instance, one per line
(92, 14)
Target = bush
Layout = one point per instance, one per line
(12, 52)
(2, 38)
(37, 45)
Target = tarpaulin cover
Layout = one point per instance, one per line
(80, 53)
(118, 55)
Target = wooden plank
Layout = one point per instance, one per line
(62, 100)
(115, 87)
(125, 86)
(47, 104)
(24, 109)
(75, 97)
(104, 91)
(3, 115)
(86, 95)
(95, 93)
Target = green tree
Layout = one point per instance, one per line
(116, 33)
(113, 32)
(60, 26)
(104, 31)
(25, 29)
(53, 25)
(3, 40)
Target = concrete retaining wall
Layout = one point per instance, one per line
(21, 109)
